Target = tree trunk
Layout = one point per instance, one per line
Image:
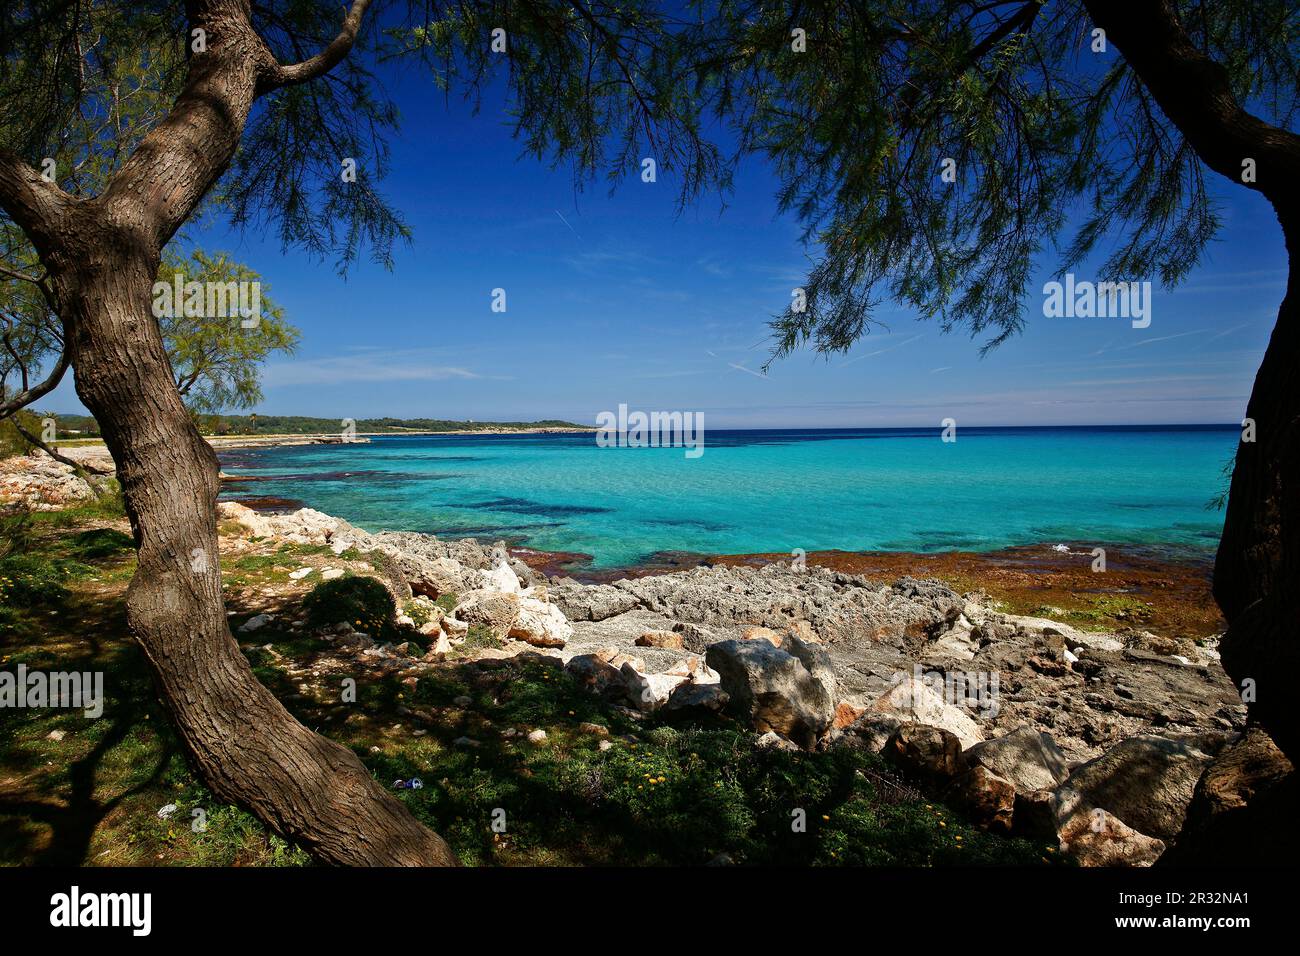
(247, 747)
(102, 256)
(1257, 570)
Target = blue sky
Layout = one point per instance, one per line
(621, 300)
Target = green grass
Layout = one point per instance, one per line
(669, 795)
(264, 562)
(93, 797)
(33, 579)
(307, 550)
(1105, 613)
(97, 543)
(477, 639)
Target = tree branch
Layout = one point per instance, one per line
(81, 468)
(1018, 22)
(40, 389)
(37, 207)
(20, 276)
(1194, 92)
(322, 62)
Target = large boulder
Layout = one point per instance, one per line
(931, 754)
(788, 689)
(870, 732)
(913, 700)
(494, 610)
(596, 673)
(1028, 758)
(1243, 808)
(444, 576)
(500, 578)
(540, 624)
(989, 799)
(431, 577)
(1242, 771)
(649, 692)
(1147, 781)
(1099, 838)
(695, 700)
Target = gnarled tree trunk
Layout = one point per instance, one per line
(102, 257)
(247, 747)
(1257, 569)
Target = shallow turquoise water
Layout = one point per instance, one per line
(752, 491)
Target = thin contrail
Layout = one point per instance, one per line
(859, 358)
(566, 222)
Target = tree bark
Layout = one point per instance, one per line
(102, 256)
(1257, 569)
(247, 747)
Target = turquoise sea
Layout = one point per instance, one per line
(771, 490)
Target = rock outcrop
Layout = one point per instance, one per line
(1147, 781)
(987, 798)
(39, 483)
(787, 688)
(930, 754)
(1100, 839)
(1028, 758)
(912, 700)
(988, 710)
(840, 608)
(1243, 809)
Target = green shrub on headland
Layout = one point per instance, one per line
(360, 601)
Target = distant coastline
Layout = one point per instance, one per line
(92, 450)
(74, 427)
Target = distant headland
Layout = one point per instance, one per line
(276, 426)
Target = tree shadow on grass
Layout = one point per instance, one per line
(713, 793)
(74, 818)
(66, 803)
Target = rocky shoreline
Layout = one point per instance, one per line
(1115, 744)
(1098, 740)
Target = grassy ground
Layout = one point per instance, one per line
(81, 791)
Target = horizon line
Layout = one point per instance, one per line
(593, 427)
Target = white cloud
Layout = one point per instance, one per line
(368, 366)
